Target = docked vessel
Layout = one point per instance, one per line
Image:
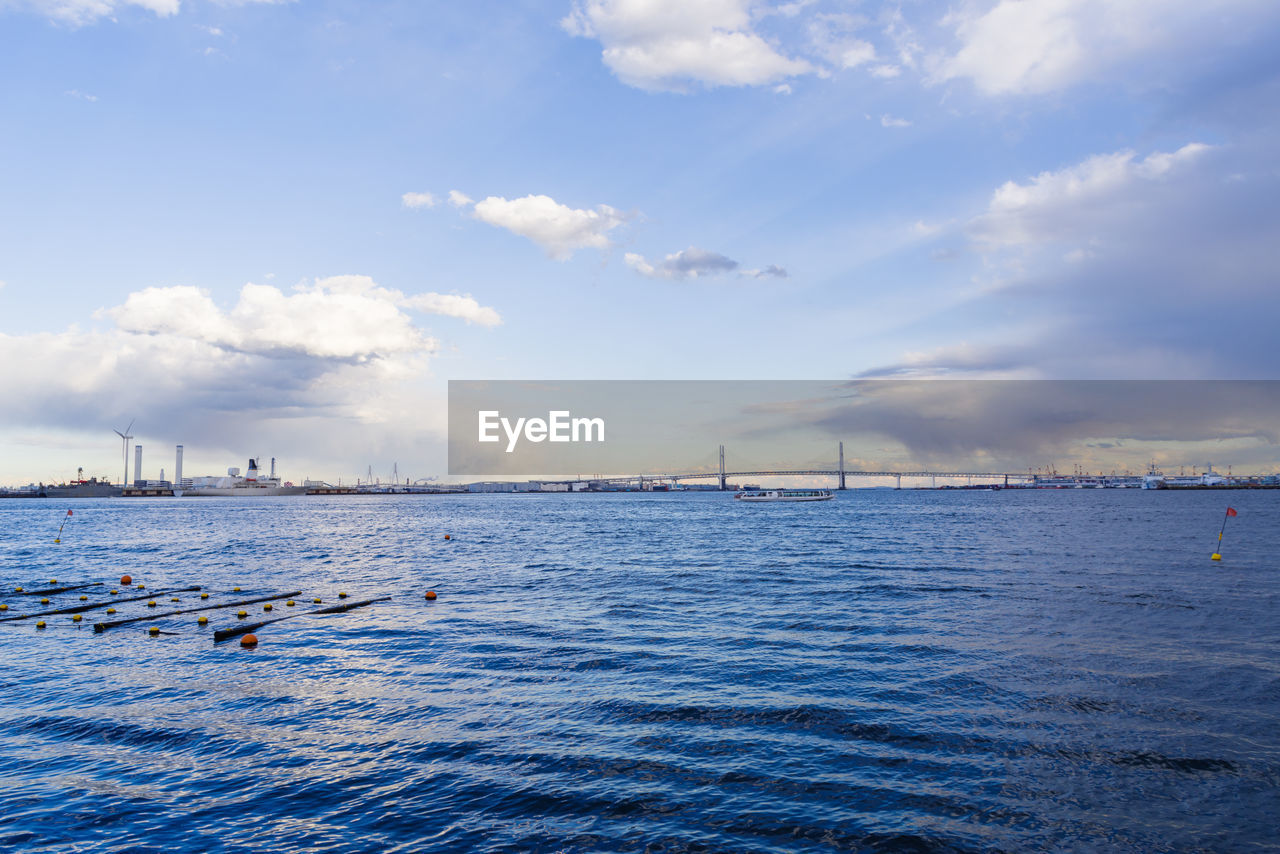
(1155, 479)
(241, 487)
(82, 488)
(763, 495)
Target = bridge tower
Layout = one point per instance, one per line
(723, 487)
(842, 486)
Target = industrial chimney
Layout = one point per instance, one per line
(137, 465)
(177, 472)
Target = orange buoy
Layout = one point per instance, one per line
(249, 640)
(447, 537)
(126, 580)
(431, 595)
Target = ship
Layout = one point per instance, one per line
(763, 495)
(82, 488)
(233, 485)
(1155, 479)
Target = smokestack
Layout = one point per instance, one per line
(177, 472)
(137, 464)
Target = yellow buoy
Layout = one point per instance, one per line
(290, 603)
(203, 621)
(4, 607)
(40, 625)
(316, 600)
(17, 590)
(84, 598)
(44, 601)
(153, 631)
(114, 592)
(1215, 556)
(174, 599)
(342, 596)
(266, 607)
(241, 615)
(235, 589)
(53, 581)
(151, 604)
(204, 595)
(76, 618)
(142, 587)
(111, 610)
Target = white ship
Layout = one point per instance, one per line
(762, 495)
(1158, 480)
(241, 487)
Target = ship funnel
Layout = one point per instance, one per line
(273, 466)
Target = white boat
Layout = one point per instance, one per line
(234, 485)
(763, 495)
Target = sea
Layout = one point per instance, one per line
(914, 670)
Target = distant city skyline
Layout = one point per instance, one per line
(279, 229)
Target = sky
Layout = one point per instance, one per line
(280, 228)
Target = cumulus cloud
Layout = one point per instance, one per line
(559, 229)
(1021, 47)
(690, 263)
(418, 200)
(1076, 200)
(1121, 266)
(307, 373)
(667, 44)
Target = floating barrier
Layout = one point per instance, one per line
(80, 609)
(50, 591)
(227, 634)
(102, 627)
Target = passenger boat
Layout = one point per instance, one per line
(763, 495)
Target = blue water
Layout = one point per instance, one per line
(890, 671)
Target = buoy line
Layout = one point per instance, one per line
(76, 609)
(226, 634)
(102, 627)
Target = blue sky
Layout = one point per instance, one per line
(280, 228)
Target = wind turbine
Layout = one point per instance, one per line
(125, 437)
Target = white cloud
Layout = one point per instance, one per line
(666, 44)
(1038, 46)
(885, 72)
(1077, 200)
(418, 200)
(558, 229)
(76, 93)
(688, 263)
(773, 271)
(887, 121)
(454, 305)
(460, 200)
